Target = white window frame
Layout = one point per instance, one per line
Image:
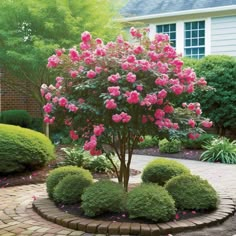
(180, 39)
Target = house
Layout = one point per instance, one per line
(196, 27)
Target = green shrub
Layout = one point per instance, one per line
(71, 187)
(151, 202)
(16, 117)
(103, 196)
(161, 170)
(192, 192)
(220, 73)
(23, 149)
(148, 142)
(220, 150)
(56, 175)
(172, 146)
(199, 142)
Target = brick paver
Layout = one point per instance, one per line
(18, 218)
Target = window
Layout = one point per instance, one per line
(194, 39)
(169, 29)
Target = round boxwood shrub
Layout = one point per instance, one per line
(103, 196)
(161, 170)
(23, 149)
(56, 175)
(150, 201)
(71, 187)
(192, 192)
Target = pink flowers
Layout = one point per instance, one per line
(193, 136)
(73, 135)
(123, 117)
(91, 144)
(98, 129)
(47, 108)
(192, 123)
(91, 74)
(207, 123)
(74, 55)
(114, 78)
(86, 37)
(110, 104)
(62, 101)
(72, 107)
(53, 61)
(133, 97)
(131, 77)
(114, 91)
(177, 89)
(162, 94)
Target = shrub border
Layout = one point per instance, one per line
(48, 210)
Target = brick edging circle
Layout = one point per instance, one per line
(48, 210)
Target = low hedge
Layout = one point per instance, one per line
(150, 201)
(192, 193)
(23, 149)
(56, 175)
(16, 117)
(161, 170)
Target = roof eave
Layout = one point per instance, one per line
(177, 13)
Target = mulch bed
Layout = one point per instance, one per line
(76, 210)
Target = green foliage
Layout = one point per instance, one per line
(23, 149)
(220, 150)
(32, 30)
(103, 196)
(219, 104)
(99, 164)
(56, 175)
(150, 201)
(191, 192)
(199, 142)
(71, 187)
(190, 62)
(76, 156)
(161, 170)
(37, 124)
(148, 142)
(171, 146)
(16, 117)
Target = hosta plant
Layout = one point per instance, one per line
(220, 150)
(112, 95)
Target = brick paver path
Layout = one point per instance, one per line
(18, 218)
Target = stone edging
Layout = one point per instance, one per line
(47, 209)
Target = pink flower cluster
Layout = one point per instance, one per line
(122, 117)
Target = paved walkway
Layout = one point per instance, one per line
(18, 218)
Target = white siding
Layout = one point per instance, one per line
(223, 35)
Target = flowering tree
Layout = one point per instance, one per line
(114, 94)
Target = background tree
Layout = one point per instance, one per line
(32, 29)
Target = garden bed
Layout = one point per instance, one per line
(47, 209)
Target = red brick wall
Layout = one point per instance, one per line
(11, 99)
